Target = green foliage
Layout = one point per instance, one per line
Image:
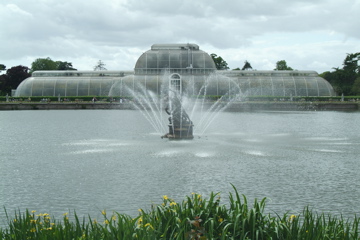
(42, 64)
(282, 65)
(356, 86)
(194, 218)
(220, 63)
(345, 80)
(2, 67)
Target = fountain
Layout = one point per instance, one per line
(181, 105)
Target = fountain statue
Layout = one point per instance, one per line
(180, 125)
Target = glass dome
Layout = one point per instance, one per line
(180, 58)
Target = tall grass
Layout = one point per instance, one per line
(194, 218)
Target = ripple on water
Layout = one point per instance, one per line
(167, 153)
(255, 153)
(204, 154)
(328, 150)
(89, 151)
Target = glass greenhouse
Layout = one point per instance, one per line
(186, 66)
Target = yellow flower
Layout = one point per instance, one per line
(103, 212)
(32, 221)
(106, 221)
(33, 230)
(221, 219)
(291, 218)
(113, 218)
(52, 224)
(173, 204)
(50, 228)
(94, 221)
(15, 220)
(33, 211)
(148, 225)
(65, 214)
(165, 197)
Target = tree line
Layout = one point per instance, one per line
(15, 75)
(345, 80)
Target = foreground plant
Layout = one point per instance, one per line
(194, 218)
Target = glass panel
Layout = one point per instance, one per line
(266, 87)
(198, 59)
(49, 85)
(151, 60)
(25, 88)
(105, 87)
(312, 88)
(175, 60)
(60, 86)
(83, 87)
(37, 88)
(300, 86)
(184, 63)
(95, 87)
(71, 88)
(278, 87)
(289, 85)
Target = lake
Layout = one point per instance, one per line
(58, 161)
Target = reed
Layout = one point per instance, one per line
(194, 218)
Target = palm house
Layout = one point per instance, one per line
(183, 65)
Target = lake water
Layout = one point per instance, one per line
(90, 160)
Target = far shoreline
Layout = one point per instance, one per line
(234, 107)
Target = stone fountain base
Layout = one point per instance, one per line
(178, 133)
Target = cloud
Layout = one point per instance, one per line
(302, 32)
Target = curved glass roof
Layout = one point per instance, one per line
(182, 58)
(69, 83)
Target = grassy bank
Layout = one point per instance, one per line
(193, 218)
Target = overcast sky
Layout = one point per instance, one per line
(308, 34)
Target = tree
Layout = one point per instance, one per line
(99, 66)
(281, 65)
(220, 63)
(345, 80)
(42, 64)
(64, 66)
(13, 77)
(2, 67)
(247, 66)
(356, 87)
